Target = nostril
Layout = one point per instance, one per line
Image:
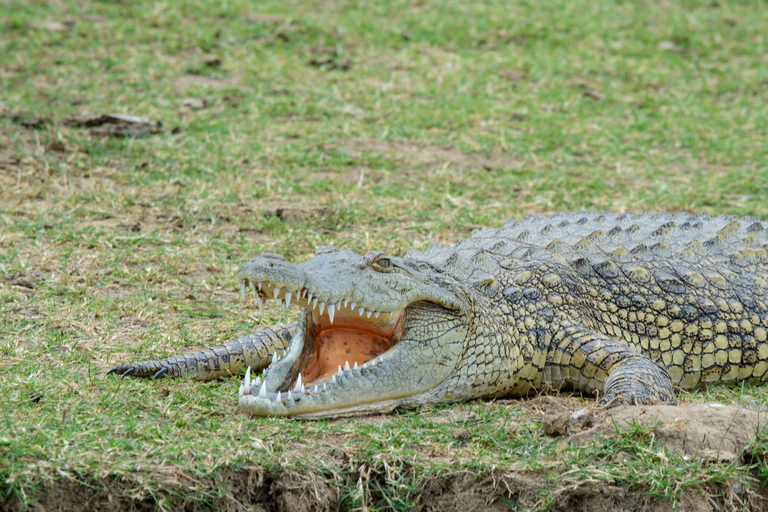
(325, 249)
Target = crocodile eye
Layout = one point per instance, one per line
(382, 263)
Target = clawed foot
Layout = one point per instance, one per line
(639, 382)
(618, 400)
(139, 370)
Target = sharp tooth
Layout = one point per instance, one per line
(377, 314)
(242, 289)
(302, 389)
(340, 371)
(248, 377)
(314, 389)
(298, 387)
(333, 379)
(314, 305)
(368, 313)
(276, 291)
(259, 286)
(322, 307)
(287, 299)
(373, 362)
(274, 357)
(290, 395)
(240, 392)
(277, 398)
(355, 367)
(346, 301)
(324, 386)
(253, 291)
(352, 306)
(331, 311)
(309, 297)
(261, 305)
(263, 391)
(360, 311)
(346, 366)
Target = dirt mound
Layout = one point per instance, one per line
(712, 432)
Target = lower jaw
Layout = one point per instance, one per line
(262, 408)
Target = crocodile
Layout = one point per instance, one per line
(627, 307)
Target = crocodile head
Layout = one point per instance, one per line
(375, 332)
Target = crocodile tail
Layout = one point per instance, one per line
(253, 350)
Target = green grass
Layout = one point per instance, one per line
(448, 118)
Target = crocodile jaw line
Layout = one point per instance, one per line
(313, 379)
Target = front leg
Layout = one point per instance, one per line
(254, 351)
(593, 363)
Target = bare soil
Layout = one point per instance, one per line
(418, 155)
(710, 432)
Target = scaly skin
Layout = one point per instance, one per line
(626, 307)
(255, 350)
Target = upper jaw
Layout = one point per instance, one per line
(318, 302)
(331, 282)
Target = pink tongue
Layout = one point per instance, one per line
(337, 346)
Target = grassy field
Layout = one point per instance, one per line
(282, 126)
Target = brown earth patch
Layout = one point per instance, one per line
(470, 492)
(184, 83)
(711, 432)
(260, 17)
(9, 160)
(16, 160)
(421, 155)
(25, 279)
(601, 497)
(345, 176)
(30, 176)
(117, 125)
(328, 58)
(295, 213)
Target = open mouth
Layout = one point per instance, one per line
(337, 339)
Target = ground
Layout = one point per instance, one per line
(283, 126)
(368, 456)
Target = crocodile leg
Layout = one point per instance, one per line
(254, 351)
(593, 363)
